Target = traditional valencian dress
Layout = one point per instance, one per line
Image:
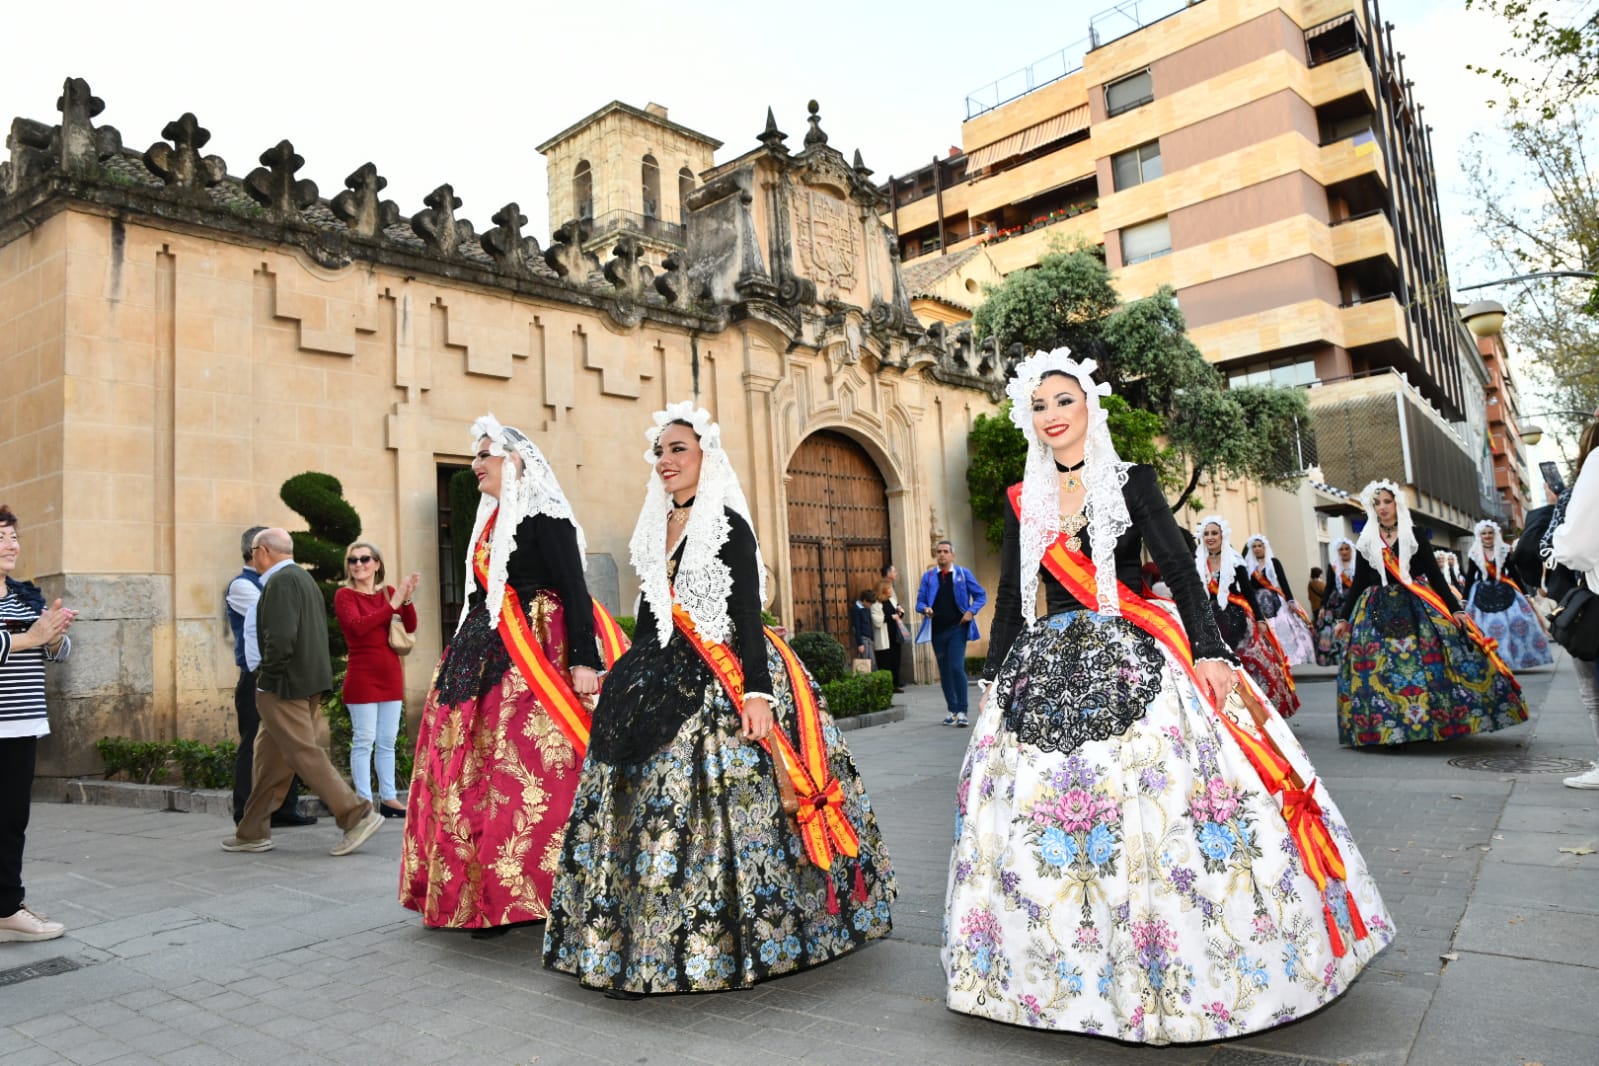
(682, 870)
(1270, 591)
(1329, 649)
(1499, 607)
(1123, 863)
(1410, 673)
(1239, 619)
(501, 739)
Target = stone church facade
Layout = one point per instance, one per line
(179, 341)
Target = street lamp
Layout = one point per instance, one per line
(1485, 318)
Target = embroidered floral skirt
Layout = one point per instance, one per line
(1329, 649)
(1262, 663)
(1408, 678)
(1140, 884)
(1503, 613)
(682, 873)
(492, 784)
(1292, 632)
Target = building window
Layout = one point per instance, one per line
(652, 187)
(1147, 240)
(1135, 90)
(1136, 165)
(685, 188)
(1284, 373)
(583, 189)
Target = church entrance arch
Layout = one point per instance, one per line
(838, 531)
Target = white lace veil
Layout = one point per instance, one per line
(530, 490)
(1257, 565)
(1230, 559)
(1339, 569)
(703, 582)
(1370, 543)
(1104, 475)
(1448, 565)
(1501, 549)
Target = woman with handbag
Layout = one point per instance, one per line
(1571, 546)
(888, 630)
(684, 868)
(379, 625)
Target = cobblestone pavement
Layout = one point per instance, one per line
(185, 954)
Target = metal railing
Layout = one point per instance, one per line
(643, 225)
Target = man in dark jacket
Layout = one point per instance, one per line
(291, 629)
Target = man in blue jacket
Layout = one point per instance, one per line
(948, 600)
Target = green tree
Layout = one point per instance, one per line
(1171, 393)
(1557, 38)
(333, 525)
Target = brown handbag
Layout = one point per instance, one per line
(399, 639)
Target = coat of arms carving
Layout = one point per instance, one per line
(825, 236)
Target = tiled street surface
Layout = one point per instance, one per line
(185, 954)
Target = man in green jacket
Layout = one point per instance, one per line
(291, 631)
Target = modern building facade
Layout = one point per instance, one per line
(1267, 161)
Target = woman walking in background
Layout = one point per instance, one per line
(1497, 604)
(1238, 616)
(505, 725)
(888, 630)
(1340, 579)
(1415, 668)
(1288, 620)
(1449, 566)
(374, 679)
(32, 634)
(684, 869)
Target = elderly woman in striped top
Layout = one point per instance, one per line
(33, 634)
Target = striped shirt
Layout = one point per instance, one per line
(22, 709)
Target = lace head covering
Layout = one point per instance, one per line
(1501, 549)
(1370, 543)
(1256, 565)
(703, 582)
(1230, 560)
(1104, 474)
(1340, 568)
(1448, 564)
(527, 487)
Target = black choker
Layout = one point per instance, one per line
(1063, 468)
(686, 503)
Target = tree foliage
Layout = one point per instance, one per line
(1171, 408)
(1537, 208)
(1557, 38)
(319, 499)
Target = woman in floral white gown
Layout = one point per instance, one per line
(1121, 865)
(1275, 598)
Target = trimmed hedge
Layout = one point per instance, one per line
(974, 665)
(154, 762)
(822, 654)
(859, 693)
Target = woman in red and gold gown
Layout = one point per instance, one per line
(505, 727)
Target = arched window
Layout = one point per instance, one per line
(685, 187)
(652, 187)
(583, 189)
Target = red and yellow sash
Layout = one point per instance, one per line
(823, 826)
(1266, 583)
(1276, 646)
(548, 683)
(1428, 595)
(1317, 849)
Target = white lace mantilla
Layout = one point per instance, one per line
(1104, 476)
(1341, 569)
(1227, 568)
(527, 487)
(1501, 549)
(1370, 543)
(1257, 565)
(703, 584)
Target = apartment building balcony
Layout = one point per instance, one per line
(1353, 156)
(1366, 236)
(1380, 426)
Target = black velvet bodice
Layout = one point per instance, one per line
(546, 557)
(1422, 565)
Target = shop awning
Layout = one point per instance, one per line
(1049, 131)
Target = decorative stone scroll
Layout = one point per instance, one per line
(512, 251)
(437, 225)
(566, 256)
(177, 160)
(628, 271)
(274, 186)
(77, 145)
(361, 207)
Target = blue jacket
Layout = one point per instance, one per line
(861, 631)
(969, 596)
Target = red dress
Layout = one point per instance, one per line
(374, 674)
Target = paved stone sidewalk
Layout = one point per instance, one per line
(185, 954)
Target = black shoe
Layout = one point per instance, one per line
(281, 820)
(391, 812)
(899, 690)
(622, 993)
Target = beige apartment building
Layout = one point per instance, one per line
(178, 341)
(1266, 160)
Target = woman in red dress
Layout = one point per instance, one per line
(1238, 615)
(374, 681)
(496, 767)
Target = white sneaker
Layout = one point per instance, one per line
(358, 834)
(26, 925)
(1587, 780)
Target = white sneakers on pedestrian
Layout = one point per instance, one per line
(358, 834)
(26, 925)
(235, 844)
(1587, 780)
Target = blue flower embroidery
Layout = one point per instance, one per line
(1056, 848)
(1101, 845)
(1217, 841)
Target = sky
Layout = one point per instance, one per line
(462, 92)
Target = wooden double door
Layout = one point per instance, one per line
(838, 530)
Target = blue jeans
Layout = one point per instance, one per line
(949, 648)
(373, 725)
